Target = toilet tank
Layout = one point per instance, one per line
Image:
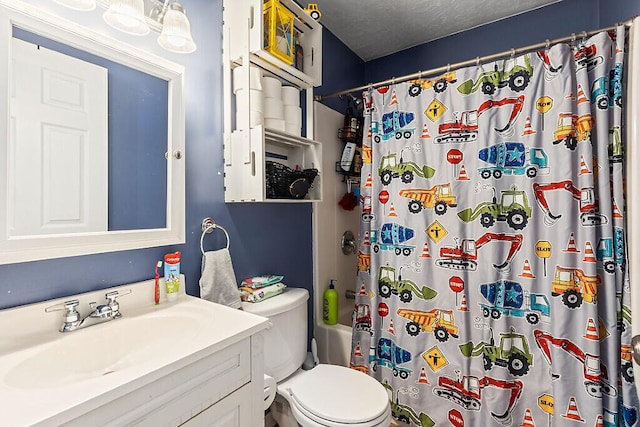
(285, 342)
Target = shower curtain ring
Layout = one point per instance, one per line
(477, 61)
(393, 80)
(420, 75)
(573, 38)
(448, 68)
(584, 36)
(513, 53)
(547, 43)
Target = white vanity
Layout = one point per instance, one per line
(190, 362)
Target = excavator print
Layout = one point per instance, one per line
(589, 210)
(465, 126)
(596, 380)
(550, 71)
(464, 255)
(466, 391)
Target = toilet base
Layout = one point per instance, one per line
(281, 412)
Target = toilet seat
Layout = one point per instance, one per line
(333, 396)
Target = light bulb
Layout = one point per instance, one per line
(127, 16)
(176, 31)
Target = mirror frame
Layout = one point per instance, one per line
(30, 248)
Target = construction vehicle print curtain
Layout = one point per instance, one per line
(492, 285)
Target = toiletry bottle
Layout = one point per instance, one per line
(330, 305)
(172, 275)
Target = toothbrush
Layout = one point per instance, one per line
(157, 290)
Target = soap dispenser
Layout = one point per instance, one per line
(330, 305)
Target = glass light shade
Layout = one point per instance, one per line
(176, 31)
(84, 5)
(127, 16)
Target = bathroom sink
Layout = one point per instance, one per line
(93, 371)
(102, 350)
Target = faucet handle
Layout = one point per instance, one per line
(68, 306)
(113, 303)
(111, 296)
(71, 318)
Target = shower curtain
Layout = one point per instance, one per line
(492, 285)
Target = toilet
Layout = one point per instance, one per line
(325, 396)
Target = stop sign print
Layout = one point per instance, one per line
(454, 156)
(383, 196)
(456, 284)
(383, 309)
(455, 417)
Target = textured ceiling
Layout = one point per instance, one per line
(376, 28)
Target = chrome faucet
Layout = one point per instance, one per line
(72, 320)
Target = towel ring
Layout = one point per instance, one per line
(208, 225)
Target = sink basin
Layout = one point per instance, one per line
(93, 352)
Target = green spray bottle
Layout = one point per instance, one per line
(330, 305)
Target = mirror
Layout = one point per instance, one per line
(94, 140)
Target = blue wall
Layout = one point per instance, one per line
(267, 238)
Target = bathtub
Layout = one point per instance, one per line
(334, 343)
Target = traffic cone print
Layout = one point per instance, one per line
(394, 98)
(423, 377)
(463, 304)
(425, 251)
(528, 419)
(570, 96)
(571, 246)
(581, 96)
(584, 169)
(391, 330)
(369, 181)
(599, 422)
(363, 291)
(591, 332)
(357, 352)
(462, 176)
(366, 241)
(528, 129)
(526, 270)
(588, 253)
(392, 210)
(572, 411)
(425, 132)
(616, 211)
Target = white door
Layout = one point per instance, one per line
(58, 143)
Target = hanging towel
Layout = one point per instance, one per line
(218, 280)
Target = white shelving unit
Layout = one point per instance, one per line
(247, 148)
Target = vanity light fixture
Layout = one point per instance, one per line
(176, 30)
(84, 5)
(137, 16)
(127, 16)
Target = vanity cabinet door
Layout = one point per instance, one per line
(232, 411)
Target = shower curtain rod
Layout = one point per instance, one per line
(475, 61)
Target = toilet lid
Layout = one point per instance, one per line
(339, 394)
